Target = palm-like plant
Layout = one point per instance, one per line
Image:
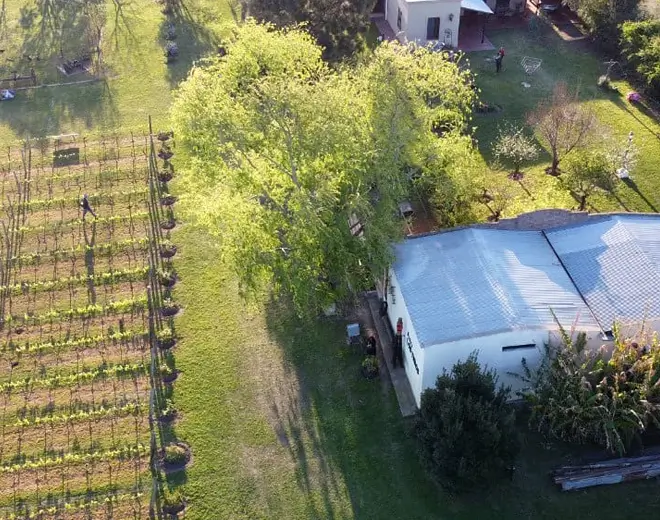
(581, 395)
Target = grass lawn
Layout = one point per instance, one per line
(283, 425)
(137, 81)
(572, 63)
(280, 422)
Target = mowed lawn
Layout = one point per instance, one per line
(283, 425)
(279, 420)
(137, 81)
(574, 64)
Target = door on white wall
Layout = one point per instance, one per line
(433, 28)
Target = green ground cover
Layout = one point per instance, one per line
(136, 80)
(284, 426)
(280, 421)
(575, 64)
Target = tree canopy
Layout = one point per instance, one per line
(641, 46)
(336, 24)
(299, 168)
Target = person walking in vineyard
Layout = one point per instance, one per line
(86, 208)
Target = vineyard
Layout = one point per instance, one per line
(86, 330)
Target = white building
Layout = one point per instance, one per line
(430, 21)
(496, 290)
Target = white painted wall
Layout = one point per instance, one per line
(420, 12)
(396, 308)
(415, 17)
(446, 355)
(392, 12)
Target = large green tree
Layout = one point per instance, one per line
(640, 43)
(299, 168)
(336, 24)
(603, 18)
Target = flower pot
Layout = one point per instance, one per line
(169, 311)
(165, 176)
(168, 200)
(165, 344)
(167, 252)
(369, 374)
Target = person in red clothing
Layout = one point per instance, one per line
(397, 355)
(498, 59)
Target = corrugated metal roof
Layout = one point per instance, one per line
(474, 282)
(615, 263)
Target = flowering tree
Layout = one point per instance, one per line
(514, 146)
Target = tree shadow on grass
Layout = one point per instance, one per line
(52, 110)
(344, 433)
(123, 26)
(633, 186)
(193, 39)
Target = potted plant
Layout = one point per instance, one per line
(370, 367)
(170, 307)
(168, 413)
(173, 502)
(168, 223)
(165, 136)
(167, 249)
(165, 175)
(168, 200)
(166, 277)
(165, 152)
(165, 338)
(167, 373)
(176, 455)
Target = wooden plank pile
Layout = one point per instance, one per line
(607, 472)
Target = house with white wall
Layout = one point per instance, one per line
(502, 292)
(431, 21)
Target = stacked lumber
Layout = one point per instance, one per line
(612, 471)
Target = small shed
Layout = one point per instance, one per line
(490, 290)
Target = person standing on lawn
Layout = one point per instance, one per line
(398, 344)
(498, 59)
(86, 208)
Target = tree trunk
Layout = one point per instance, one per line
(554, 167)
(583, 202)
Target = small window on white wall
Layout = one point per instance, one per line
(399, 16)
(433, 28)
(519, 347)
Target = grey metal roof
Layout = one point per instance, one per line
(474, 282)
(615, 263)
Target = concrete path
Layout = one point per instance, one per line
(398, 376)
(384, 28)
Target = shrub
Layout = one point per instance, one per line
(640, 42)
(175, 455)
(465, 429)
(581, 396)
(370, 367)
